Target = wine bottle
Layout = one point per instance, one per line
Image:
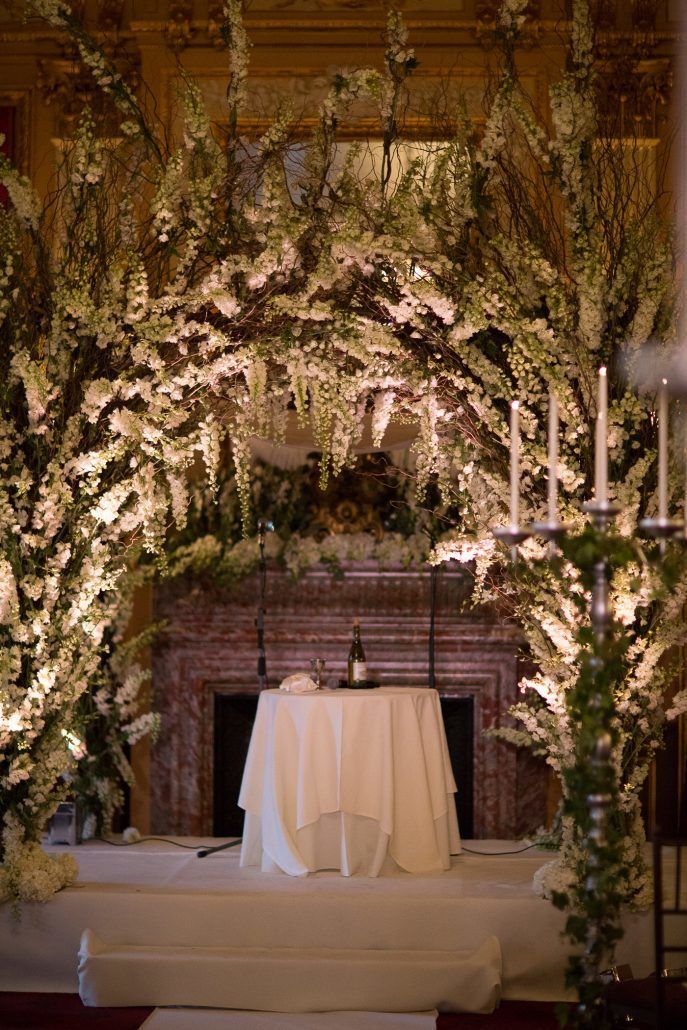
(357, 669)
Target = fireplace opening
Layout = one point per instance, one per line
(234, 715)
(234, 718)
(458, 722)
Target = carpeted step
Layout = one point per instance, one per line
(290, 979)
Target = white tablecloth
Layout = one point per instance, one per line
(349, 780)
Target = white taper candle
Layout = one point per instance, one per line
(601, 440)
(663, 450)
(553, 457)
(514, 463)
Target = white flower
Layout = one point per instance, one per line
(556, 876)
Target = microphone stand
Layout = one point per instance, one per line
(433, 572)
(432, 622)
(264, 527)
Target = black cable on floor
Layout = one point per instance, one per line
(470, 851)
(163, 840)
(235, 843)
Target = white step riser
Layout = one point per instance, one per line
(290, 979)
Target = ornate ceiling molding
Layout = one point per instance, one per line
(637, 15)
(485, 27)
(636, 96)
(635, 66)
(109, 15)
(636, 44)
(215, 26)
(487, 12)
(67, 84)
(20, 100)
(332, 5)
(179, 29)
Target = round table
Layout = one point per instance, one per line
(355, 780)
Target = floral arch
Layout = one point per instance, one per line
(165, 297)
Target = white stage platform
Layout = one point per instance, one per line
(155, 896)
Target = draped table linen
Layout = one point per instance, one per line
(349, 780)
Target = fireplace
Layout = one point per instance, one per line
(205, 685)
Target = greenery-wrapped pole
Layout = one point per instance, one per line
(592, 798)
(600, 799)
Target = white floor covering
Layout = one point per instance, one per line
(155, 894)
(213, 1019)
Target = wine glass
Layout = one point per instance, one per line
(317, 667)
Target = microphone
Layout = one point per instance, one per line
(265, 526)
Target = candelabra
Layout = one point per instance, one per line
(552, 530)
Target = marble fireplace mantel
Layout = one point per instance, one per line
(209, 646)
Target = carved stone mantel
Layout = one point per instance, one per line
(208, 646)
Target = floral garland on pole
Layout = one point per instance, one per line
(596, 896)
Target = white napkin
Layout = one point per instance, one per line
(299, 683)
